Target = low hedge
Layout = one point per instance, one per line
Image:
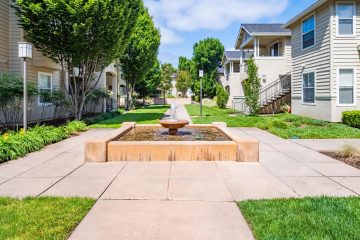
(102, 117)
(351, 118)
(14, 145)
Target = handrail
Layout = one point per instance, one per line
(275, 88)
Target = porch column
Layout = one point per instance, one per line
(231, 67)
(255, 47)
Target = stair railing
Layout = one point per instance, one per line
(273, 90)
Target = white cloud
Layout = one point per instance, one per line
(191, 15)
(169, 36)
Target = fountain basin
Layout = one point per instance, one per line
(121, 146)
(173, 125)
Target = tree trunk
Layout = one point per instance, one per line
(164, 97)
(127, 96)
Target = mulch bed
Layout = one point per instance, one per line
(352, 161)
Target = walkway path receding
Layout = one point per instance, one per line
(181, 113)
(175, 200)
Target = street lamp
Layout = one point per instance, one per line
(201, 75)
(25, 52)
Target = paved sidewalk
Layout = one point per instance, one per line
(175, 200)
(181, 113)
(326, 144)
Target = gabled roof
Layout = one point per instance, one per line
(303, 14)
(261, 30)
(266, 29)
(234, 54)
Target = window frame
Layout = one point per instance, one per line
(337, 19)
(302, 34)
(51, 87)
(338, 88)
(302, 88)
(270, 48)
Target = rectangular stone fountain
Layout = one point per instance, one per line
(210, 142)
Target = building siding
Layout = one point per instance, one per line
(315, 59)
(4, 36)
(344, 54)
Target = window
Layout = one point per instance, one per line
(309, 87)
(274, 50)
(346, 86)
(345, 21)
(308, 32)
(236, 67)
(45, 87)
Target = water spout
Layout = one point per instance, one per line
(173, 112)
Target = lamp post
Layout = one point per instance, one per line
(25, 52)
(201, 75)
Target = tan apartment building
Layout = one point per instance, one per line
(326, 59)
(270, 47)
(41, 71)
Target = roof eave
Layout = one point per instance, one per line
(304, 13)
(270, 34)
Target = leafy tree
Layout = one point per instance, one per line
(151, 82)
(252, 87)
(167, 71)
(183, 82)
(11, 96)
(83, 36)
(184, 64)
(222, 96)
(207, 55)
(141, 52)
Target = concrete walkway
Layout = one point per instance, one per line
(175, 200)
(181, 113)
(327, 144)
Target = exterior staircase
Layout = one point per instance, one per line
(272, 96)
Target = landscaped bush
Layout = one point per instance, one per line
(102, 117)
(17, 144)
(351, 118)
(278, 124)
(222, 97)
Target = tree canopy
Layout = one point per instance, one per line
(252, 86)
(83, 36)
(167, 71)
(207, 55)
(141, 52)
(183, 82)
(184, 64)
(151, 81)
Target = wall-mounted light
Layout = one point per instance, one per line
(264, 78)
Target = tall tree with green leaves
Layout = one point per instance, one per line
(184, 64)
(141, 53)
(150, 83)
(252, 87)
(167, 71)
(83, 36)
(183, 82)
(207, 55)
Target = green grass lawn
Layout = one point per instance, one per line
(283, 125)
(310, 218)
(41, 218)
(145, 115)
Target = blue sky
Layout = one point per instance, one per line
(184, 22)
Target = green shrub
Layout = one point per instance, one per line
(285, 108)
(14, 145)
(278, 124)
(351, 118)
(102, 117)
(222, 97)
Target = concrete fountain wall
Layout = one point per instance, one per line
(107, 150)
